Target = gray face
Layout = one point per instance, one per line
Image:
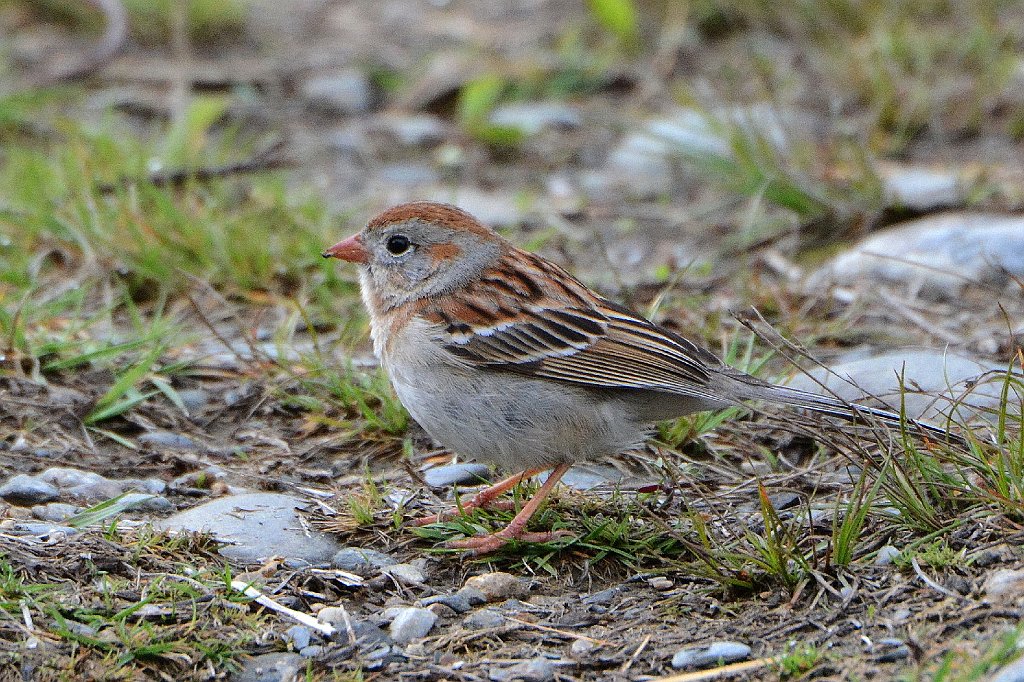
(413, 259)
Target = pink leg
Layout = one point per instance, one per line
(516, 530)
(483, 499)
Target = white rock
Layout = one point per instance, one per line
(934, 257)
(412, 623)
(498, 586)
(936, 382)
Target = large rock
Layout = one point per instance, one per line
(257, 526)
(934, 257)
(936, 382)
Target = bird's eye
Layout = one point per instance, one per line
(398, 244)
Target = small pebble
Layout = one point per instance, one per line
(273, 667)
(54, 511)
(498, 586)
(298, 636)
(406, 574)
(661, 583)
(43, 530)
(442, 610)
(412, 623)
(472, 595)
(77, 628)
(539, 669)
(450, 474)
(147, 502)
(28, 490)
(332, 615)
(886, 555)
(361, 561)
(168, 440)
(890, 649)
(153, 486)
(94, 491)
(581, 647)
(1004, 585)
(66, 477)
(718, 653)
(602, 598)
(484, 619)
(457, 602)
(311, 651)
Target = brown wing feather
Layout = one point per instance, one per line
(508, 321)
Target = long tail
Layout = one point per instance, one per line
(853, 412)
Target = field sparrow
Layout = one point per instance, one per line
(505, 357)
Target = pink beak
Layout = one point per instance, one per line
(351, 250)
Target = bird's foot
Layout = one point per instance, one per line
(485, 544)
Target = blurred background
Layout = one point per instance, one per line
(171, 170)
(648, 135)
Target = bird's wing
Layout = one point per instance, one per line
(601, 346)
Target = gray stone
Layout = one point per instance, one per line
(43, 529)
(484, 619)
(890, 650)
(168, 440)
(299, 636)
(886, 555)
(94, 491)
(54, 511)
(457, 602)
(591, 475)
(406, 574)
(311, 651)
(27, 490)
(717, 653)
(921, 188)
(275, 667)
(451, 474)
(1004, 585)
(153, 486)
(361, 561)
(498, 586)
(412, 623)
(934, 257)
(345, 93)
(582, 647)
(538, 669)
(66, 477)
(602, 598)
(334, 615)
(533, 117)
(472, 595)
(80, 629)
(256, 526)
(146, 502)
(936, 382)
(1011, 672)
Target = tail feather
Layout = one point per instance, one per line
(841, 409)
